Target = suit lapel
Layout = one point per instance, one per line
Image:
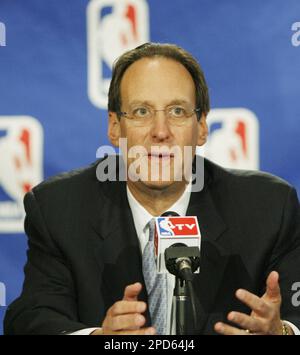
(117, 248)
(213, 258)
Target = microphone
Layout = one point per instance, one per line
(172, 229)
(182, 261)
(178, 239)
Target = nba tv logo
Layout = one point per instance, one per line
(177, 226)
(2, 35)
(114, 27)
(21, 142)
(2, 295)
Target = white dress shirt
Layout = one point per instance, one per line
(141, 218)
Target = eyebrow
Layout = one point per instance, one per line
(150, 103)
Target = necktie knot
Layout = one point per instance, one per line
(151, 224)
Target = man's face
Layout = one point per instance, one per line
(156, 84)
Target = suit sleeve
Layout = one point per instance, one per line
(47, 304)
(286, 257)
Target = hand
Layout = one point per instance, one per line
(125, 317)
(265, 316)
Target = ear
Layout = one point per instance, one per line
(203, 130)
(114, 129)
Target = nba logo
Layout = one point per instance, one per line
(233, 140)
(114, 26)
(21, 141)
(165, 226)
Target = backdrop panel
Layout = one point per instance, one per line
(55, 67)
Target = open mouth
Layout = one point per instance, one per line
(162, 156)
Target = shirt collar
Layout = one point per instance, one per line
(141, 216)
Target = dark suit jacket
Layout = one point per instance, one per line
(83, 248)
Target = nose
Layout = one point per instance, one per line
(160, 129)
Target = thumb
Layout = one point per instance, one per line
(132, 291)
(273, 288)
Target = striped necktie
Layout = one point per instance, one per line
(156, 284)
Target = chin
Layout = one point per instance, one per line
(159, 185)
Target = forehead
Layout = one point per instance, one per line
(159, 80)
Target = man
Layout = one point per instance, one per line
(87, 271)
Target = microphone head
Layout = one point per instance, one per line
(177, 245)
(169, 213)
(173, 229)
(178, 252)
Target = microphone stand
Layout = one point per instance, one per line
(182, 261)
(180, 304)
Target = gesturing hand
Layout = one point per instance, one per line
(265, 316)
(125, 316)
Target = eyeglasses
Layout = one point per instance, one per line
(143, 115)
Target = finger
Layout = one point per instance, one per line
(273, 288)
(226, 329)
(132, 291)
(143, 331)
(246, 322)
(252, 301)
(128, 322)
(126, 307)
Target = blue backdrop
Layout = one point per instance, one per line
(55, 65)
